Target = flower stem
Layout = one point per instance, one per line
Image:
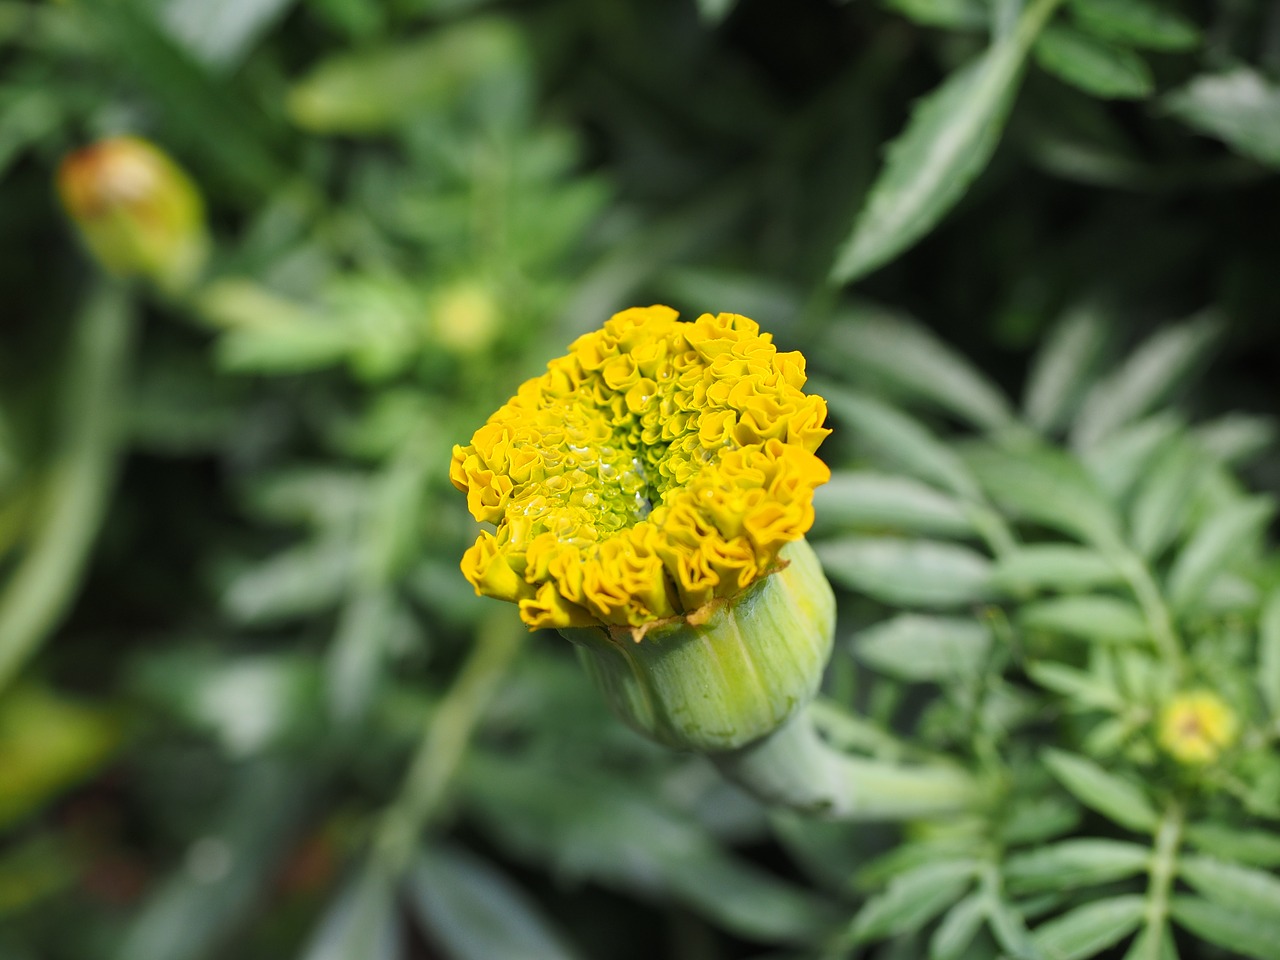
(794, 768)
(444, 741)
(1163, 868)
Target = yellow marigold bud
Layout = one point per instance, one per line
(1196, 726)
(137, 210)
(465, 317)
(656, 470)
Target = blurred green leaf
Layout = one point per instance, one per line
(1236, 438)
(1082, 689)
(1089, 929)
(1259, 848)
(1240, 107)
(1075, 863)
(1231, 884)
(898, 439)
(360, 922)
(875, 501)
(474, 912)
(1092, 617)
(220, 33)
(952, 134)
(957, 929)
(1149, 374)
(1233, 928)
(913, 359)
(1108, 794)
(948, 14)
(912, 899)
(1161, 505)
(373, 91)
(1120, 461)
(1061, 368)
(1140, 23)
(302, 580)
(910, 573)
(916, 647)
(1269, 653)
(1062, 567)
(1153, 943)
(1096, 67)
(713, 11)
(1222, 536)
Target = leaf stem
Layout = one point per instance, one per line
(1161, 873)
(444, 741)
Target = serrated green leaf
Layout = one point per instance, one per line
(916, 647)
(952, 134)
(1047, 486)
(1139, 23)
(913, 899)
(475, 912)
(1239, 107)
(1269, 653)
(1095, 66)
(1117, 799)
(1149, 374)
(1074, 863)
(1255, 847)
(1223, 534)
(864, 500)
(913, 359)
(1063, 567)
(1089, 929)
(1084, 689)
(1088, 617)
(958, 928)
(898, 439)
(1232, 884)
(1232, 928)
(910, 573)
(1061, 368)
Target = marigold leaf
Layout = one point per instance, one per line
(1141, 23)
(917, 647)
(864, 500)
(913, 899)
(1074, 863)
(1089, 929)
(911, 573)
(1239, 107)
(1062, 366)
(1094, 66)
(1232, 884)
(1221, 536)
(1054, 566)
(1104, 792)
(1233, 928)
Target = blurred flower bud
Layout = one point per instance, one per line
(137, 210)
(755, 662)
(464, 317)
(1195, 727)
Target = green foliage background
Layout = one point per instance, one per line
(249, 708)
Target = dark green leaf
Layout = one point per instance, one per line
(1240, 107)
(912, 573)
(1139, 23)
(1104, 792)
(917, 647)
(1093, 65)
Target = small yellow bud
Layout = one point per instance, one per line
(137, 211)
(464, 317)
(1196, 726)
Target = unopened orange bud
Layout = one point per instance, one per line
(138, 212)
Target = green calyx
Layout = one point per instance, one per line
(752, 665)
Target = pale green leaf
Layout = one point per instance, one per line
(220, 33)
(1221, 536)
(713, 11)
(1095, 66)
(1048, 487)
(1108, 794)
(360, 922)
(1061, 368)
(957, 929)
(1258, 848)
(917, 647)
(1074, 863)
(1269, 653)
(897, 439)
(1149, 374)
(474, 912)
(1083, 689)
(1240, 107)
(1089, 929)
(1236, 438)
(1088, 617)
(1118, 462)
(1232, 884)
(951, 135)
(1153, 943)
(910, 573)
(912, 359)
(1233, 928)
(1062, 567)
(1139, 23)
(1162, 503)
(864, 500)
(912, 899)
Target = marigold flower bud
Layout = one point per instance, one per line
(1196, 726)
(137, 211)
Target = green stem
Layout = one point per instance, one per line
(444, 742)
(1161, 873)
(793, 767)
(1153, 607)
(79, 481)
